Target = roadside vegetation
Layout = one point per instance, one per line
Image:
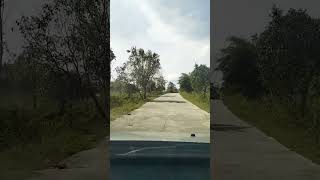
(272, 81)
(138, 81)
(172, 88)
(203, 102)
(54, 94)
(195, 86)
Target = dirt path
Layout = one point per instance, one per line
(243, 152)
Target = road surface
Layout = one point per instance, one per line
(242, 152)
(168, 117)
(85, 165)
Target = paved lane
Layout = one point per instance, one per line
(85, 165)
(242, 152)
(166, 117)
(169, 117)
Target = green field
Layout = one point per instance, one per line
(276, 122)
(198, 99)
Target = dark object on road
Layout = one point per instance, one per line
(193, 135)
(159, 160)
(129, 113)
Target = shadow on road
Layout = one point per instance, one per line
(167, 101)
(226, 127)
(167, 96)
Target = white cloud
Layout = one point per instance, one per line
(162, 29)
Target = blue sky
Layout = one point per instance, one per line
(179, 31)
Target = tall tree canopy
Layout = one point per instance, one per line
(200, 78)
(238, 62)
(289, 58)
(71, 38)
(185, 82)
(172, 88)
(142, 67)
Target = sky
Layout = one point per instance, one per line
(244, 18)
(179, 31)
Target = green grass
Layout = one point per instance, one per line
(39, 138)
(275, 122)
(121, 104)
(203, 102)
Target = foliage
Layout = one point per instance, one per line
(141, 71)
(289, 56)
(278, 70)
(203, 102)
(172, 88)
(71, 38)
(239, 65)
(50, 105)
(185, 82)
(280, 62)
(200, 78)
(160, 83)
(125, 82)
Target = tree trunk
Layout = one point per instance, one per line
(106, 93)
(145, 94)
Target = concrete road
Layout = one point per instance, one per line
(168, 117)
(91, 164)
(242, 152)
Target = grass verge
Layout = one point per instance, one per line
(121, 104)
(203, 102)
(275, 123)
(41, 138)
(34, 139)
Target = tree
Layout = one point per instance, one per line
(30, 75)
(239, 65)
(142, 68)
(125, 80)
(200, 78)
(72, 38)
(289, 56)
(160, 83)
(185, 82)
(172, 88)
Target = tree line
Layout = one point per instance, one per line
(279, 65)
(141, 74)
(196, 81)
(65, 60)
